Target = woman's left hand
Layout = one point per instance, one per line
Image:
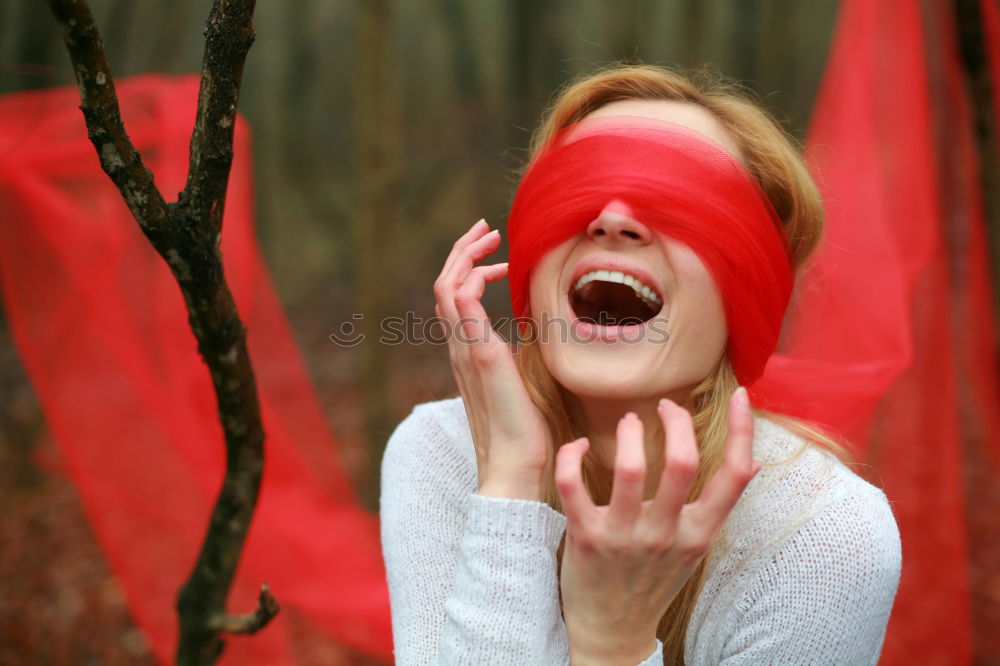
(624, 563)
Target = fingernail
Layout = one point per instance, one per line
(742, 400)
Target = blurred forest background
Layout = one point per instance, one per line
(382, 129)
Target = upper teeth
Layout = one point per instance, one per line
(622, 278)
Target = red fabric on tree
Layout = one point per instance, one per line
(101, 327)
(681, 184)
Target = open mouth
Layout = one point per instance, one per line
(614, 298)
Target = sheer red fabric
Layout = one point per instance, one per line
(890, 340)
(681, 184)
(101, 328)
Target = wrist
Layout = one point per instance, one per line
(610, 652)
(519, 486)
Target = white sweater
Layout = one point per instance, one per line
(804, 571)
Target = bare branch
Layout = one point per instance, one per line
(228, 37)
(187, 235)
(99, 103)
(250, 623)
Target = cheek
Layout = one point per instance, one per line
(710, 324)
(704, 300)
(543, 282)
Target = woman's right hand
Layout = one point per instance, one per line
(511, 438)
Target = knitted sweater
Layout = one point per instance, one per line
(804, 571)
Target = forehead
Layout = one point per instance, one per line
(691, 116)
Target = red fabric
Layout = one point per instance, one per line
(678, 182)
(895, 322)
(101, 327)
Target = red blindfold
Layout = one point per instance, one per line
(679, 182)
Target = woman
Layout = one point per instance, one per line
(605, 495)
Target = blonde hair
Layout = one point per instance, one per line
(773, 158)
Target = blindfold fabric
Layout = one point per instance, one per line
(678, 182)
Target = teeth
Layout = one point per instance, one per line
(617, 276)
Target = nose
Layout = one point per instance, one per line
(616, 223)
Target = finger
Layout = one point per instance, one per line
(455, 276)
(723, 490)
(681, 460)
(476, 231)
(576, 501)
(630, 472)
(469, 255)
(471, 314)
(469, 329)
(468, 297)
(444, 285)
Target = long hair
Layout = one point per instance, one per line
(773, 158)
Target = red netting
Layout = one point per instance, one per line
(101, 327)
(678, 182)
(891, 338)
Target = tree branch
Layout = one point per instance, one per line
(187, 235)
(228, 37)
(99, 103)
(250, 623)
(972, 46)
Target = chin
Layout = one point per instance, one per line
(598, 375)
(606, 373)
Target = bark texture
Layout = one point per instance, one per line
(187, 235)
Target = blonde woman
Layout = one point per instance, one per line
(606, 494)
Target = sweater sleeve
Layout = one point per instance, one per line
(472, 579)
(825, 596)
